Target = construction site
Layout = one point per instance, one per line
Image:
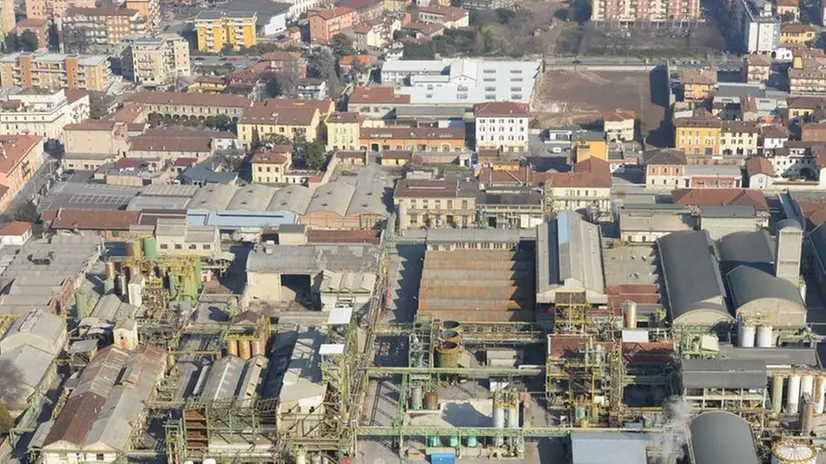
(694, 349)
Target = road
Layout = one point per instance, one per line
(31, 190)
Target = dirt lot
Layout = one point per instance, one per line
(566, 97)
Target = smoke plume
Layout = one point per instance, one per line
(675, 431)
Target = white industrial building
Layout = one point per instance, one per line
(462, 81)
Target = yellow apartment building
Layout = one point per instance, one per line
(698, 136)
(590, 145)
(215, 29)
(796, 33)
(343, 131)
(265, 121)
(271, 165)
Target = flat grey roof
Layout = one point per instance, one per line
(774, 356)
(728, 211)
(451, 236)
(724, 373)
(720, 437)
(311, 259)
(607, 448)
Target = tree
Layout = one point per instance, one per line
(230, 159)
(97, 106)
(321, 64)
(314, 155)
(255, 143)
(278, 139)
(222, 121)
(273, 87)
(478, 43)
(11, 43)
(227, 49)
(342, 45)
(29, 41)
(26, 212)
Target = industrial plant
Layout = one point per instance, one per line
(561, 344)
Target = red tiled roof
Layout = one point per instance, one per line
(759, 165)
(92, 125)
(347, 60)
(618, 115)
(344, 236)
(496, 109)
(592, 172)
(16, 228)
(185, 162)
(94, 219)
(13, 148)
(71, 11)
(129, 163)
(706, 197)
(192, 99)
(377, 95)
(157, 143)
(278, 155)
(267, 113)
(333, 13)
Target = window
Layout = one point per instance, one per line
(414, 219)
(164, 246)
(193, 246)
(178, 246)
(464, 204)
(462, 96)
(99, 457)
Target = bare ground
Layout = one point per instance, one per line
(568, 97)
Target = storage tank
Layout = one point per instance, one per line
(150, 248)
(777, 393)
(450, 336)
(629, 309)
(435, 442)
(453, 441)
(471, 441)
(173, 286)
(244, 349)
(513, 417)
(447, 354)
(301, 458)
(802, 288)
(121, 280)
(451, 325)
(110, 270)
(793, 395)
(133, 248)
(807, 385)
(764, 336)
(820, 397)
(807, 415)
(431, 401)
(498, 422)
(232, 347)
(746, 333)
(416, 397)
(315, 458)
(257, 347)
(792, 452)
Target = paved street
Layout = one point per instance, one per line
(30, 190)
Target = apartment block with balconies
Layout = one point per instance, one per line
(99, 30)
(218, 29)
(42, 113)
(55, 71)
(157, 60)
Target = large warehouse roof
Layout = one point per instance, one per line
(723, 373)
(721, 437)
(569, 259)
(747, 284)
(691, 275)
(753, 248)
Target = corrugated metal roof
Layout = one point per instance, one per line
(37, 328)
(747, 284)
(607, 448)
(723, 373)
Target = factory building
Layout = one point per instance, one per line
(724, 384)
(721, 437)
(569, 260)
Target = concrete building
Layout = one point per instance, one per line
(55, 71)
(586, 189)
(661, 11)
(710, 384)
(664, 169)
(149, 9)
(721, 220)
(422, 139)
(435, 203)
(155, 60)
(698, 84)
(376, 102)
(219, 29)
(756, 68)
(698, 135)
(760, 173)
(117, 378)
(7, 17)
(326, 24)
(263, 120)
(271, 166)
(462, 82)
(523, 210)
(45, 114)
(645, 223)
(502, 126)
(99, 30)
(797, 34)
(448, 16)
(756, 26)
(739, 138)
(96, 137)
(569, 261)
(619, 125)
(53, 9)
(176, 237)
(299, 7)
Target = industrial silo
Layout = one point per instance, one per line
(792, 452)
(447, 354)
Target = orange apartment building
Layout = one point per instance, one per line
(426, 139)
(20, 157)
(324, 25)
(55, 71)
(149, 9)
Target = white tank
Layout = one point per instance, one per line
(301, 458)
(807, 385)
(820, 395)
(210, 461)
(315, 459)
(802, 287)
(499, 423)
(793, 395)
(513, 418)
(746, 334)
(789, 452)
(764, 336)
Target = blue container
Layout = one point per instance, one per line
(443, 458)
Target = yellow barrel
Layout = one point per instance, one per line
(232, 347)
(256, 347)
(244, 349)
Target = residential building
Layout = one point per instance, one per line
(343, 131)
(435, 203)
(773, 136)
(502, 126)
(448, 16)
(698, 85)
(739, 138)
(560, 139)
(99, 30)
(796, 33)
(21, 156)
(423, 139)
(262, 121)
(811, 78)
(299, 7)
(589, 144)
(803, 107)
(760, 172)
(42, 113)
(813, 132)
(376, 33)
(270, 166)
(619, 125)
(796, 159)
(722, 197)
(755, 25)
(219, 29)
(84, 139)
(311, 88)
(155, 60)
(325, 24)
(40, 28)
(291, 62)
(788, 10)
(196, 105)
(270, 17)
(368, 10)
(462, 82)
(664, 169)
(149, 9)
(376, 102)
(7, 17)
(53, 9)
(698, 135)
(757, 68)
(659, 11)
(55, 71)
(586, 189)
(423, 31)
(489, 5)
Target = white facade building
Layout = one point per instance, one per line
(33, 112)
(155, 60)
(758, 28)
(462, 81)
(502, 126)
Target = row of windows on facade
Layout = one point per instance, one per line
(437, 204)
(502, 129)
(488, 96)
(192, 246)
(430, 221)
(492, 138)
